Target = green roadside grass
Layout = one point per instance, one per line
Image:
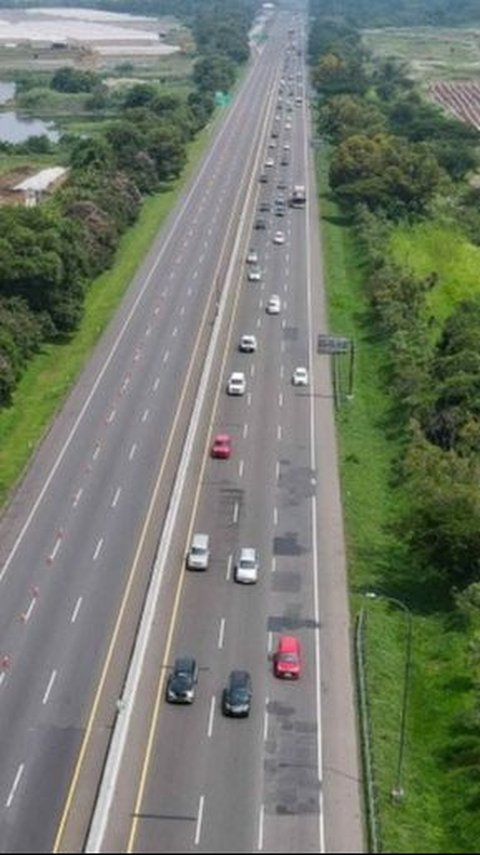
(440, 810)
(52, 372)
(433, 247)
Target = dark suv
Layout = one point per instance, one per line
(182, 681)
(237, 696)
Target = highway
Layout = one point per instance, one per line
(79, 540)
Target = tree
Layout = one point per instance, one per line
(343, 116)
(385, 172)
(334, 75)
(214, 73)
(68, 79)
(140, 95)
(442, 522)
(165, 147)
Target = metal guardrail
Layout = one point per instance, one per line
(366, 736)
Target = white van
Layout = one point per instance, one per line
(199, 553)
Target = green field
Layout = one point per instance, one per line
(432, 247)
(430, 53)
(439, 812)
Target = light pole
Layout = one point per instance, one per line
(398, 791)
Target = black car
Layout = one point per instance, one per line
(282, 185)
(237, 696)
(264, 206)
(263, 178)
(182, 681)
(260, 224)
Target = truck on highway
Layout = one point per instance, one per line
(298, 197)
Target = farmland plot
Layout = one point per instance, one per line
(462, 99)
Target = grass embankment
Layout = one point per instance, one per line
(52, 372)
(436, 815)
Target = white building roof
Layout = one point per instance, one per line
(41, 180)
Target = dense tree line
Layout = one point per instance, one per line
(392, 156)
(49, 253)
(401, 13)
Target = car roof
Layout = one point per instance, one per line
(239, 677)
(248, 553)
(288, 643)
(237, 375)
(184, 663)
(222, 437)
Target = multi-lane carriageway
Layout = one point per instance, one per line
(80, 539)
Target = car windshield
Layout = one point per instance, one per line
(248, 563)
(288, 657)
(239, 694)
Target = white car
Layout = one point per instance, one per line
(269, 161)
(248, 344)
(246, 569)
(300, 376)
(279, 237)
(236, 383)
(273, 305)
(254, 274)
(252, 256)
(288, 126)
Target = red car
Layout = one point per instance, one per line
(222, 446)
(287, 660)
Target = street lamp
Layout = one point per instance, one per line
(398, 791)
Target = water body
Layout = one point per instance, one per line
(17, 129)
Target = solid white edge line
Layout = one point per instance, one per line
(321, 821)
(198, 828)
(265, 721)
(229, 567)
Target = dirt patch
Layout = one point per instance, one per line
(9, 180)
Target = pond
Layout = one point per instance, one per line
(17, 129)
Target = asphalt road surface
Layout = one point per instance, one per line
(79, 540)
